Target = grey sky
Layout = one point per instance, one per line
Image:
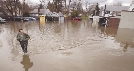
(101, 2)
(125, 2)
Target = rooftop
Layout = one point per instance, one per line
(116, 8)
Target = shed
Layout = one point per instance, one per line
(55, 16)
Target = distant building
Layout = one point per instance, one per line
(113, 10)
(127, 18)
(57, 16)
(37, 12)
(50, 15)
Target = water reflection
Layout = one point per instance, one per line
(26, 62)
(75, 24)
(125, 37)
(108, 31)
(51, 36)
(54, 35)
(125, 47)
(42, 26)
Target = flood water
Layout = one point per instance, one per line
(66, 46)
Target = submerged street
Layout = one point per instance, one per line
(66, 46)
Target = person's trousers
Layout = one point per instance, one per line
(24, 45)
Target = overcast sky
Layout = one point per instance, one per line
(101, 2)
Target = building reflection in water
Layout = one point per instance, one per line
(108, 31)
(26, 62)
(125, 36)
(42, 26)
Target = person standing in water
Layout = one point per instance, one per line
(23, 39)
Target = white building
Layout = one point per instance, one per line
(59, 15)
(113, 10)
(127, 18)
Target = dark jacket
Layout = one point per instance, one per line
(23, 37)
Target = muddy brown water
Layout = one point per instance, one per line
(66, 46)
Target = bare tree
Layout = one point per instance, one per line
(10, 7)
(43, 4)
(68, 9)
(76, 5)
(25, 7)
(58, 5)
(14, 7)
(91, 8)
(50, 6)
(86, 5)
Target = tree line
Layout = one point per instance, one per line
(14, 7)
(21, 7)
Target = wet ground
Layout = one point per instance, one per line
(66, 46)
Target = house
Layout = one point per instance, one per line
(37, 12)
(113, 10)
(61, 16)
(114, 14)
(55, 17)
(49, 15)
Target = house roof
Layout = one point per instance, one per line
(116, 8)
(46, 12)
(34, 11)
(42, 11)
(54, 14)
(60, 14)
